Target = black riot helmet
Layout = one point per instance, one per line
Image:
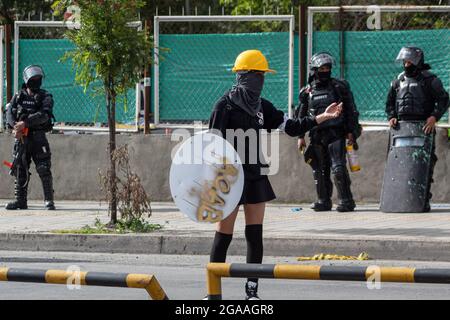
(319, 60)
(413, 54)
(32, 77)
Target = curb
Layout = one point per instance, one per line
(379, 249)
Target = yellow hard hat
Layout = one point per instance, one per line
(251, 60)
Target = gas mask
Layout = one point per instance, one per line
(411, 70)
(324, 77)
(34, 84)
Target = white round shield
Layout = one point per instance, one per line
(206, 178)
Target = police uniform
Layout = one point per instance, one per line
(328, 139)
(36, 111)
(416, 98)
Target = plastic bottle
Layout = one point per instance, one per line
(353, 160)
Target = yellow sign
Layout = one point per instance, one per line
(210, 198)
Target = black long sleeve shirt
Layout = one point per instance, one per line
(350, 112)
(227, 116)
(36, 109)
(435, 89)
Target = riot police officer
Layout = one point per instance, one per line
(328, 141)
(31, 111)
(417, 95)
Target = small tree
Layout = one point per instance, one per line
(109, 52)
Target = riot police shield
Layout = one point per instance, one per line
(407, 172)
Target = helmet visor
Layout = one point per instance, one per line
(409, 54)
(31, 72)
(321, 59)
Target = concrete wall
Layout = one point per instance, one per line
(77, 159)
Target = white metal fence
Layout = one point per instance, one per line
(158, 20)
(43, 43)
(366, 39)
(355, 18)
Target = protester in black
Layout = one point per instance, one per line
(242, 108)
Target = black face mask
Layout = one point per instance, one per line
(247, 92)
(324, 77)
(34, 84)
(411, 71)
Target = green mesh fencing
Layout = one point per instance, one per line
(370, 62)
(72, 105)
(197, 71)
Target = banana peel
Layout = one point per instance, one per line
(322, 256)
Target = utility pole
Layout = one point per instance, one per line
(147, 85)
(9, 82)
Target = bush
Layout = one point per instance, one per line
(133, 201)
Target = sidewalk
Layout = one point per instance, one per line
(289, 230)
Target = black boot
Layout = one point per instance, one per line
(47, 185)
(17, 205)
(324, 190)
(346, 206)
(21, 196)
(322, 205)
(50, 205)
(342, 182)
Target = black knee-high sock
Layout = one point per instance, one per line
(254, 236)
(220, 247)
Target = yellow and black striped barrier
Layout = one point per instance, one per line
(217, 271)
(102, 279)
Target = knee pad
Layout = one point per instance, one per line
(43, 169)
(339, 170)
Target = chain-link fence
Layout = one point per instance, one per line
(195, 71)
(365, 41)
(44, 44)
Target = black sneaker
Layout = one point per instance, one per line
(17, 205)
(251, 290)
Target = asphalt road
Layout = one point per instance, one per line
(183, 278)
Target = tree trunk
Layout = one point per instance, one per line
(112, 147)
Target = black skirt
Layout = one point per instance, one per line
(257, 191)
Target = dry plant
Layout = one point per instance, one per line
(133, 201)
